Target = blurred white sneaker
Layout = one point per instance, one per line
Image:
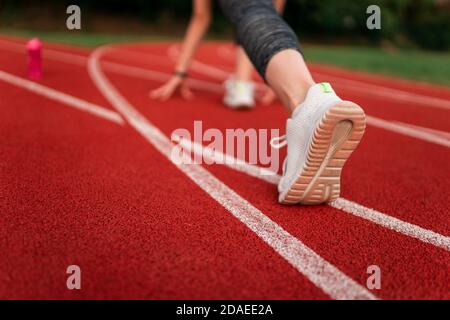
(239, 94)
(320, 136)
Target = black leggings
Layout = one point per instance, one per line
(260, 30)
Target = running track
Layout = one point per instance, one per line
(85, 179)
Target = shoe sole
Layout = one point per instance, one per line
(337, 135)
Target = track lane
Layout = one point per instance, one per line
(373, 151)
(360, 250)
(175, 114)
(69, 176)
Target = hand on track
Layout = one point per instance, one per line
(167, 90)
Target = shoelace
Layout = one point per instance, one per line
(278, 142)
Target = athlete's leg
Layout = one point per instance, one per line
(244, 67)
(239, 89)
(289, 77)
(267, 38)
(323, 129)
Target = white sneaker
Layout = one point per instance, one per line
(321, 134)
(239, 94)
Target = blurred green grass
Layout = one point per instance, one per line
(416, 65)
(411, 64)
(84, 39)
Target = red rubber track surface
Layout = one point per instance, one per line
(77, 189)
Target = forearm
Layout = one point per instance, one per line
(197, 28)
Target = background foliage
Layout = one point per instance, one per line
(405, 23)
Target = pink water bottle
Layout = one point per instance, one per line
(34, 48)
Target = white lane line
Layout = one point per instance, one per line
(214, 72)
(152, 75)
(374, 90)
(392, 223)
(320, 272)
(57, 55)
(386, 93)
(435, 132)
(143, 72)
(62, 97)
(218, 157)
(411, 131)
(65, 57)
(345, 205)
(148, 74)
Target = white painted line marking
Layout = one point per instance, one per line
(320, 272)
(148, 74)
(439, 133)
(173, 52)
(153, 75)
(392, 223)
(230, 161)
(435, 132)
(386, 93)
(61, 97)
(408, 130)
(348, 206)
(46, 53)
